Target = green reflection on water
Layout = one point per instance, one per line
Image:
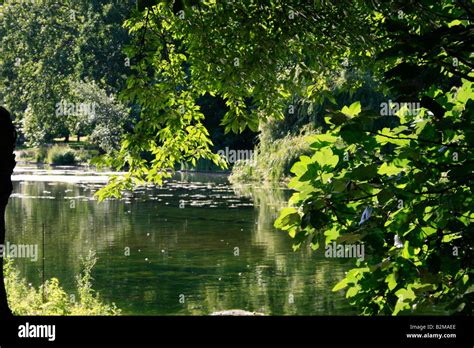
(197, 238)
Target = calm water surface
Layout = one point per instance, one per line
(196, 238)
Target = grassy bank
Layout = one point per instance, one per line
(73, 153)
(51, 299)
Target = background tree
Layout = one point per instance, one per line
(105, 118)
(44, 47)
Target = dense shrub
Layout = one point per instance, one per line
(84, 155)
(41, 154)
(61, 155)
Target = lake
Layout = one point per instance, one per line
(192, 247)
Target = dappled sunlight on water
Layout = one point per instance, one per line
(196, 245)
